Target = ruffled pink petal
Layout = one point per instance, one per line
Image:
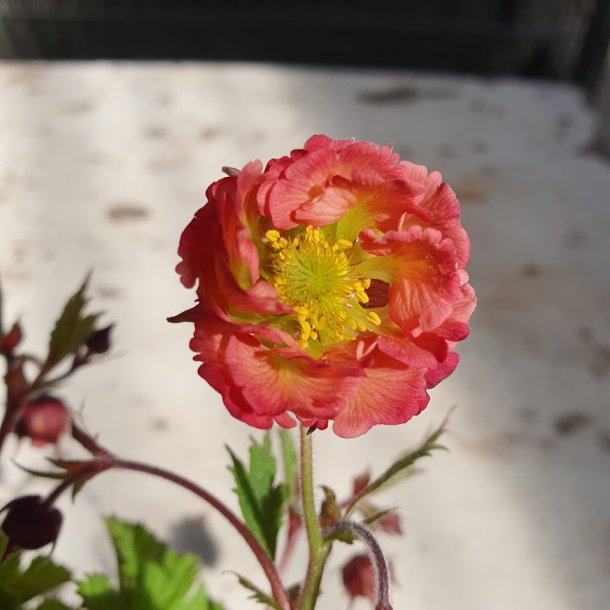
(270, 378)
(275, 383)
(321, 141)
(424, 351)
(216, 249)
(439, 199)
(455, 327)
(425, 283)
(390, 393)
(383, 202)
(309, 189)
(443, 370)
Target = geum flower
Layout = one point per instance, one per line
(331, 286)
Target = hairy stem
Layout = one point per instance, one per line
(345, 526)
(318, 547)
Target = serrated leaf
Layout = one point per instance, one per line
(151, 576)
(72, 328)
(289, 459)
(401, 467)
(261, 501)
(41, 576)
(99, 594)
(257, 594)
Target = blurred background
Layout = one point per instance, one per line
(115, 116)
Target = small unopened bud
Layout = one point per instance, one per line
(359, 577)
(390, 523)
(43, 421)
(99, 341)
(30, 523)
(11, 339)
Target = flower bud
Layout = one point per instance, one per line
(30, 523)
(359, 577)
(10, 340)
(390, 523)
(99, 341)
(43, 420)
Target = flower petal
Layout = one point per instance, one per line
(263, 372)
(390, 393)
(424, 281)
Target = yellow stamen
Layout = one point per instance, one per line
(315, 278)
(343, 244)
(372, 317)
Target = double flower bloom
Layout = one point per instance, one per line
(331, 286)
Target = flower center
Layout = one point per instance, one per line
(316, 279)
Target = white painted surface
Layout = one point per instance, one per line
(518, 514)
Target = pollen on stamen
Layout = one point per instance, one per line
(373, 318)
(314, 276)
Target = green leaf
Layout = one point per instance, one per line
(41, 576)
(257, 594)
(54, 604)
(8, 601)
(99, 594)
(72, 328)
(289, 459)
(402, 467)
(261, 501)
(151, 577)
(9, 568)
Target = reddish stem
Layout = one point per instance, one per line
(277, 589)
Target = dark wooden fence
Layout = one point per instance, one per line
(549, 38)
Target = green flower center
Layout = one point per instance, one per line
(317, 280)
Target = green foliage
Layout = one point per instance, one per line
(72, 328)
(261, 501)
(99, 594)
(402, 467)
(289, 459)
(260, 596)
(151, 576)
(52, 604)
(19, 585)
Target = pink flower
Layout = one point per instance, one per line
(331, 287)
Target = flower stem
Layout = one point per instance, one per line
(318, 547)
(277, 588)
(345, 526)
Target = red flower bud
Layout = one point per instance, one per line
(390, 524)
(99, 341)
(359, 577)
(11, 340)
(43, 420)
(30, 523)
